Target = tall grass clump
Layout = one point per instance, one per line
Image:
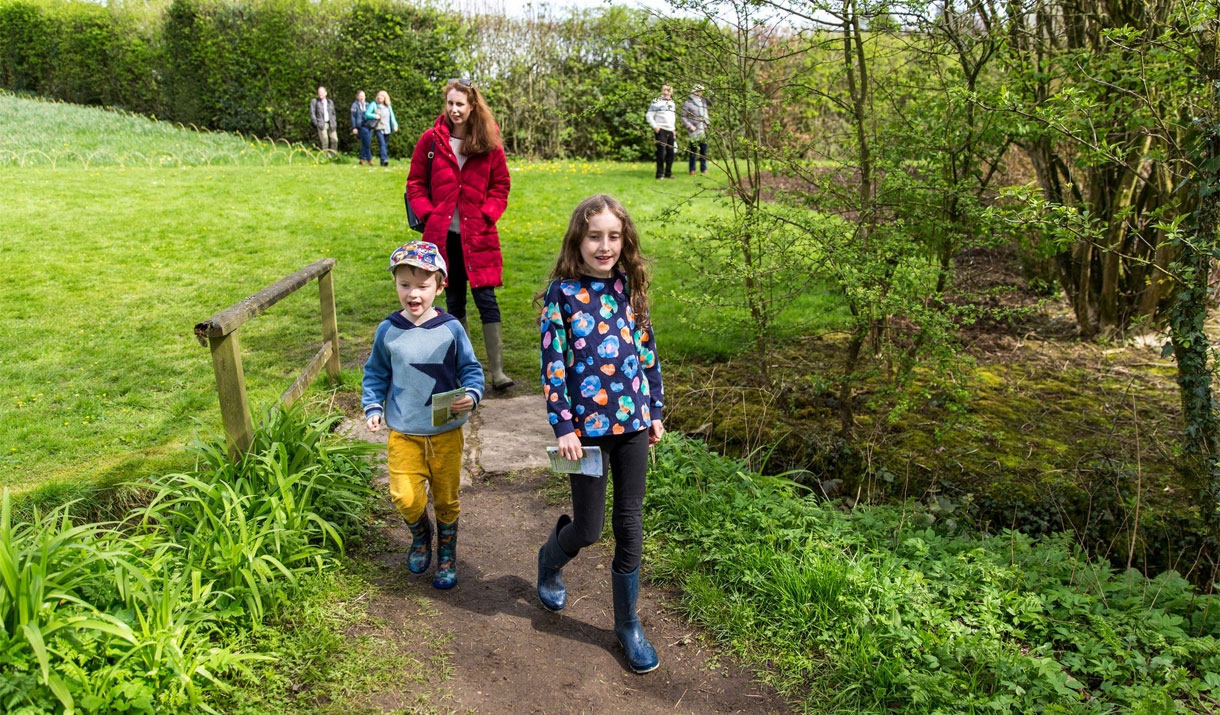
(881, 610)
(127, 616)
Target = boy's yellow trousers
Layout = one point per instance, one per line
(417, 462)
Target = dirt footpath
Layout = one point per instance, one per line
(500, 651)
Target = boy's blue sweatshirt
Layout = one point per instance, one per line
(409, 363)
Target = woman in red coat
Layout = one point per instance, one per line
(458, 185)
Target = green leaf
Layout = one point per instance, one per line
(34, 636)
(61, 691)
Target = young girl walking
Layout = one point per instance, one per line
(602, 384)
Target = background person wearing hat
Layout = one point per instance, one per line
(420, 353)
(694, 118)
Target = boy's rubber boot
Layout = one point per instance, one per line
(446, 555)
(641, 656)
(551, 560)
(495, 357)
(420, 557)
(465, 325)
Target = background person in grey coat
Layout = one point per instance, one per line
(322, 115)
(694, 118)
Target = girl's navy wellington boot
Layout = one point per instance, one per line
(641, 656)
(446, 555)
(551, 560)
(420, 557)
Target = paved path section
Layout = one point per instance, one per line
(503, 435)
(512, 434)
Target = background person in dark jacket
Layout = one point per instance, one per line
(358, 128)
(322, 115)
(458, 185)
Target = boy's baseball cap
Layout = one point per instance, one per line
(421, 254)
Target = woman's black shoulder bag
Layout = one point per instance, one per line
(415, 222)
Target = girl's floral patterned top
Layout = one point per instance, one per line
(600, 374)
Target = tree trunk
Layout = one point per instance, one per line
(1193, 295)
(847, 415)
(1061, 44)
(1190, 343)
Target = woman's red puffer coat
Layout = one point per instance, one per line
(479, 190)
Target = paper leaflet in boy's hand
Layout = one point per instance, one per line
(441, 404)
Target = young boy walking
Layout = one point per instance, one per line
(419, 354)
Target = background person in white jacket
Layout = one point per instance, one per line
(660, 116)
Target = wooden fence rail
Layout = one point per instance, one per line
(219, 332)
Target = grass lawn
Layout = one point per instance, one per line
(110, 263)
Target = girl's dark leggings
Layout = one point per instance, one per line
(626, 456)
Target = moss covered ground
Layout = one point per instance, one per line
(1053, 434)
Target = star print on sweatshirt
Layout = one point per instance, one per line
(409, 363)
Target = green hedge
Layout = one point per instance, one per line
(24, 49)
(252, 67)
(245, 66)
(78, 52)
(577, 85)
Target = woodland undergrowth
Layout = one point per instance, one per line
(883, 609)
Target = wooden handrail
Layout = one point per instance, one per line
(233, 317)
(219, 332)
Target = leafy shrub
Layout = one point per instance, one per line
(78, 52)
(874, 610)
(409, 51)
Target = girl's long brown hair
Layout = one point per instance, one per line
(482, 132)
(570, 265)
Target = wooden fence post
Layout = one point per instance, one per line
(220, 333)
(330, 324)
(231, 388)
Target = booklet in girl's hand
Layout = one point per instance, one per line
(589, 464)
(441, 402)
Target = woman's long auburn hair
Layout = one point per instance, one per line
(570, 265)
(482, 132)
